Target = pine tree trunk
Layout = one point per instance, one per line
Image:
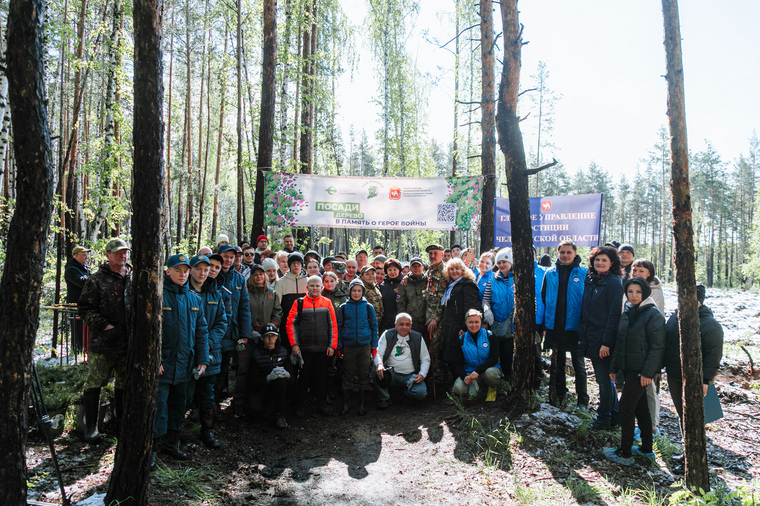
(511, 143)
(693, 424)
(239, 230)
(488, 146)
(307, 88)
(266, 123)
(21, 282)
(223, 86)
(131, 472)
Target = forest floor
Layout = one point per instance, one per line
(438, 451)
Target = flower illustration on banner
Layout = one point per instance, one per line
(467, 194)
(283, 201)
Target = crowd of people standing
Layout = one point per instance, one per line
(298, 330)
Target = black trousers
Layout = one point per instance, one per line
(270, 400)
(314, 375)
(633, 403)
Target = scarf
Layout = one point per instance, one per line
(447, 293)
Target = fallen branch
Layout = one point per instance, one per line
(751, 362)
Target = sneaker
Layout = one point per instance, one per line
(636, 452)
(383, 404)
(613, 455)
(582, 407)
(281, 422)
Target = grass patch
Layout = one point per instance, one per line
(492, 439)
(187, 479)
(719, 494)
(62, 385)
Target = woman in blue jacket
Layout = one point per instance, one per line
(498, 305)
(477, 360)
(600, 315)
(357, 338)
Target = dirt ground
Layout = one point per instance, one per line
(431, 452)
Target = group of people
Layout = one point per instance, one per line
(297, 328)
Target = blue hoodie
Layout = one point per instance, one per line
(357, 323)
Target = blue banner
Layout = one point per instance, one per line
(577, 218)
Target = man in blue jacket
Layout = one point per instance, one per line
(184, 354)
(562, 295)
(238, 320)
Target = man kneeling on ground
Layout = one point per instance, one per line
(403, 360)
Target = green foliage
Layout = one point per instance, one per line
(719, 495)
(62, 385)
(190, 480)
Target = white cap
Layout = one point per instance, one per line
(268, 263)
(504, 254)
(222, 238)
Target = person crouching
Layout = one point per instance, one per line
(268, 378)
(402, 359)
(476, 362)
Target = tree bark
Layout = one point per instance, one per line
(131, 472)
(266, 123)
(511, 144)
(223, 86)
(239, 230)
(693, 423)
(21, 282)
(307, 87)
(488, 145)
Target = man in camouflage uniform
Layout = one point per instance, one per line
(436, 285)
(372, 292)
(341, 287)
(412, 297)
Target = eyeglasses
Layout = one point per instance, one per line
(249, 254)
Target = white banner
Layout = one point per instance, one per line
(373, 203)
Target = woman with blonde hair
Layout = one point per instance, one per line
(460, 296)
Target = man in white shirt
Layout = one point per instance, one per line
(402, 360)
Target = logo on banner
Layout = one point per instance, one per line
(347, 210)
(546, 205)
(371, 189)
(394, 193)
(331, 190)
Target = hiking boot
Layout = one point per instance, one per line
(324, 411)
(346, 400)
(614, 455)
(207, 423)
(170, 446)
(91, 401)
(281, 422)
(383, 404)
(362, 397)
(599, 426)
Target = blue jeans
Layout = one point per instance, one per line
(608, 401)
(416, 391)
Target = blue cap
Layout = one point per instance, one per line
(225, 247)
(176, 260)
(198, 259)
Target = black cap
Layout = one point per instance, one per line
(295, 257)
(257, 267)
(270, 328)
(701, 293)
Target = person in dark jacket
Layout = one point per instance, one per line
(184, 354)
(105, 308)
(711, 341)
(460, 296)
(411, 296)
(357, 338)
(76, 273)
(638, 353)
(265, 309)
(389, 291)
(498, 306)
(562, 296)
(266, 394)
(238, 321)
(216, 318)
(600, 315)
(477, 360)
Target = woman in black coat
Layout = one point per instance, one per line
(460, 296)
(389, 291)
(600, 315)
